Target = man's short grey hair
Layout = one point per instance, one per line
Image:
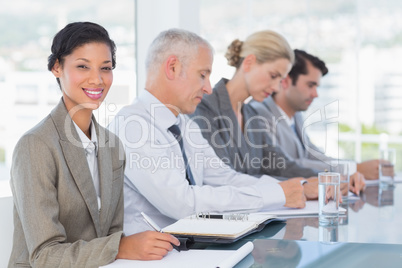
(181, 43)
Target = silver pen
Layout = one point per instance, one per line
(155, 226)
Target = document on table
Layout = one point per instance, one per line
(311, 208)
(397, 179)
(193, 258)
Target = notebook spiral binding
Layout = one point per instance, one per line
(230, 217)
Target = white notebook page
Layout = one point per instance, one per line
(193, 258)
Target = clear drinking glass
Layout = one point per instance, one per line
(328, 197)
(328, 234)
(386, 167)
(343, 168)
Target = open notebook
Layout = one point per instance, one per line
(194, 258)
(225, 228)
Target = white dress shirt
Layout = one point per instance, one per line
(155, 177)
(289, 120)
(292, 124)
(91, 152)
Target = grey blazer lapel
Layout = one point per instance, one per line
(105, 176)
(278, 122)
(226, 107)
(75, 157)
(290, 140)
(300, 131)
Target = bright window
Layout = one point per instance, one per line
(29, 91)
(361, 43)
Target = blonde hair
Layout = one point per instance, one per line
(267, 46)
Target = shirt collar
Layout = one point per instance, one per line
(85, 140)
(159, 111)
(289, 120)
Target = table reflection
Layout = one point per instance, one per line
(294, 228)
(379, 196)
(276, 253)
(372, 218)
(369, 234)
(328, 234)
(309, 254)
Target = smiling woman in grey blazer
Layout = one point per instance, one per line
(67, 171)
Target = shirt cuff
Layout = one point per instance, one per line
(272, 194)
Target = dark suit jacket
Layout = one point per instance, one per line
(56, 218)
(252, 152)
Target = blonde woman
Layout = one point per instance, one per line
(235, 131)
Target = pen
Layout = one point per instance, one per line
(233, 216)
(155, 226)
(215, 216)
(212, 216)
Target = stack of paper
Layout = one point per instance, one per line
(311, 208)
(192, 258)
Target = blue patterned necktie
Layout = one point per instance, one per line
(177, 134)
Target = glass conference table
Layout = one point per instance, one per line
(368, 235)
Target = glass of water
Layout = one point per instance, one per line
(328, 234)
(342, 167)
(386, 168)
(328, 197)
